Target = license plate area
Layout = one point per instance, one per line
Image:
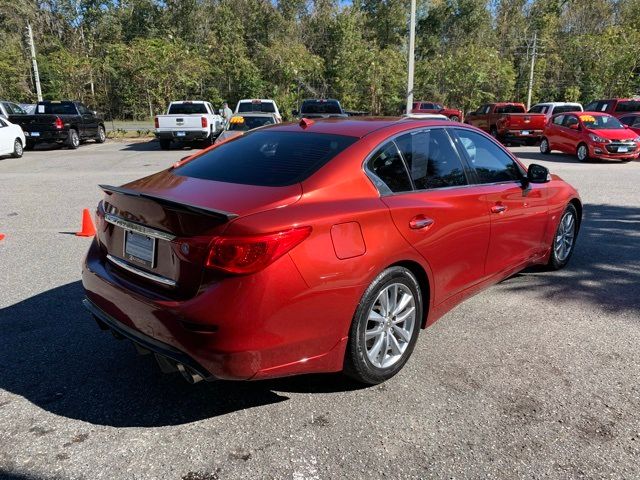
(623, 149)
(140, 249)
(181, 134)
(526, 132)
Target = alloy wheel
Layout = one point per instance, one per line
(564, 236)
(544, 146)
(390, 326)
(582, 153)
(17, 148)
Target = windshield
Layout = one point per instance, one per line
(187, 108)
(57, 108)
(320, 107)
(256, 106)
(244, 124)
(267, 158)
(600, 122)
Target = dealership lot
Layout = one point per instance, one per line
(536, 377)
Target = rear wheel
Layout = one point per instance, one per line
(17, 148)
(165, 144)
(454, 118)
(582, 153)
(564, 239)
(102, 135)
(385, 327)
(544, 146)
(73, 139)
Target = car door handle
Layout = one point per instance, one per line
(420, 221)
(498, 208)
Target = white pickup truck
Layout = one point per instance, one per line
(188, 121)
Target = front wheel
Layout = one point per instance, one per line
(582, 153)
(544, 146)
(454, 118)
(18, 150)
(385, 327)
(73, 139)
(565, 239)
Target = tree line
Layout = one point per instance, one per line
(129, 58)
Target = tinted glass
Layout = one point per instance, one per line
(187, 108)
(628, 106)
(636, 123)
(2, 124)
(601, 122)
(57, 108)
(510, 109)
(427, 106)
(267, 158)
(558, 120)
(249, 123)
(538, 109)
(320, 107)
(17, 109)
(567, 108)
(388, 166)
(570, 120)
(491, 163)
(266, 107)
(591, 107)
(431, 159)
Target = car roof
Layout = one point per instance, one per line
(190, 101)
(557, 104)
(360, 126)
(257, 100)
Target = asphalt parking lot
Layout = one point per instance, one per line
(538, 377)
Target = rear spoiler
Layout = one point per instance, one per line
(170, 204)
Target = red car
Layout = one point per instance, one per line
(453, 114)
(318, 247)
(590, 135)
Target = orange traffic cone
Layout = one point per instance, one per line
(88, 229)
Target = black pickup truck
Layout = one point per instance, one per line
(320, 108)
(69, 123)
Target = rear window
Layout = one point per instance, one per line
(187, 108)
(629, 106)
(567, 108)
(267, 107)
(510, 109)
(57, 108)
(270, 159)
(244, 124)
(320, 107)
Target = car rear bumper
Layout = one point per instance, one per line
(45, 136)
(269, 324)
(518, 135)
(183, 135)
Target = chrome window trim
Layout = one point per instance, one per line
(137, 227)
(150, 276)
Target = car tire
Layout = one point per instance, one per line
(165, 144)
(582, 152)
(102, 135)
(564, 239)
(545, 149)
(454, 118)
(383, 336)
(73, 139)
(18, 149)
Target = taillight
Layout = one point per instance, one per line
(203, 121)
(249, 254)
(156, 122)
(58, 123)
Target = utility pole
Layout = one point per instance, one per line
(533, 62)
(412, 41)
(36, 75)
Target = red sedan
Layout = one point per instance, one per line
(318, 247)
(590, 135)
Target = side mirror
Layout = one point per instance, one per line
(538, 174)
(294, 113)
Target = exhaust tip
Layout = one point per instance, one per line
(188, 374)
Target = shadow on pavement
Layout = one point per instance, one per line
(605, 267)
(154, 145)
(53, 354)
(558, 157)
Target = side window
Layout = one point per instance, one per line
(388, 166)
(591, 107)
(490, 162)
(636, 123)
(431, 159)
(82, 109)
(8, 108)
(427, 106)
(627, 121)
(537, 109)
(557, 120)
(570, 120)
(602, 106)
(2, 123)
(17, 109)
(487, 109)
